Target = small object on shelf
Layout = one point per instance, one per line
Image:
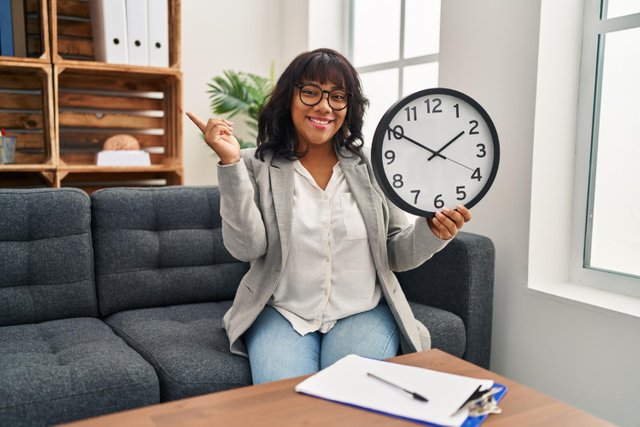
(121, 142)
(7, 148)
(123, 158)
(122, 150)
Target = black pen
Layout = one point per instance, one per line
(415, 395)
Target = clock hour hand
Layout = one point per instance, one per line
(434, 153)
(445, 146)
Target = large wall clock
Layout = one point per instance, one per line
(433, 149)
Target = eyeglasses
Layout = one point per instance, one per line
(311, 95)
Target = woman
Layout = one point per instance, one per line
(304, 209)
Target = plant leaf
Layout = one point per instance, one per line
(239, 93)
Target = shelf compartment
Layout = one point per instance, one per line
(95, 103)
(26, 111)
(72, 37)
(95, 180)
(37, 35)
(71, 30)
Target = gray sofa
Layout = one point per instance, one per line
(116, 301)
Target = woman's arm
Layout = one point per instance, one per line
(243, 230)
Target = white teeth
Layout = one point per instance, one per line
(319, 122)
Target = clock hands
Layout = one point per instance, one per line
(437, 153)
(433, 152)
(402, 135)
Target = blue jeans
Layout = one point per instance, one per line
(277, 351)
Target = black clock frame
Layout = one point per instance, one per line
(381, 130)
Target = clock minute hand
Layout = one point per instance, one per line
(445, 146)
(434, 153)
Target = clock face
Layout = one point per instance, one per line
(433, 149)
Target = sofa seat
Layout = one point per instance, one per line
(447, 330)
(62, 370)
(187, 346)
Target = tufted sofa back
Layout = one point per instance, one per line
(46, 265)
(160, 246)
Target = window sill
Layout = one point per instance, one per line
(597, 298)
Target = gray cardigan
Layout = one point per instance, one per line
(256, 205)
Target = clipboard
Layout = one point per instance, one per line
(476, 421)
(347, 382)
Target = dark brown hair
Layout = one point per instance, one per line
(276, 131)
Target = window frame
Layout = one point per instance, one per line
(398, 64)
(593, 31)
(554, 209)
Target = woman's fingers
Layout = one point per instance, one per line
(466, 213)
(201, 125)
(446, 224)
(207, 128)
(218, 134)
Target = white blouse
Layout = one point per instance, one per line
(329, 273)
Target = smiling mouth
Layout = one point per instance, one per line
(321, 122)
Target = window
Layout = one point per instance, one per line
(394, 46)
(607, 240)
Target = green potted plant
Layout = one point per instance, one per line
(239, 93)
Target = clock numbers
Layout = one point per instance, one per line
(415, 199)
(397, 181)
(474, 126)
(438, 202)
(457, 108)
(397, 132)
(476, 174)
(390, 155)
(415, 113)
(461, 193)
(483, 150)
(435, 108)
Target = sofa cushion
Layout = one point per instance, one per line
(160, 247)
(68, 369)
(187, 345)
(447, 330)
(46, 259)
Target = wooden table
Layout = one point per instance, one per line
(277, 404)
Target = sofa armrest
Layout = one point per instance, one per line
(459, 279)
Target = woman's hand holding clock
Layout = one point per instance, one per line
(446, 224)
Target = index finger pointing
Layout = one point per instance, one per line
(201, 125)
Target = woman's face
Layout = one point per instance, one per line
(315, 125)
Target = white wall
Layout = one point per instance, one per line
(580, 354)
(241, 35)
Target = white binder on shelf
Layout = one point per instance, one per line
(137, 32)
(109, 26)
(158, 13)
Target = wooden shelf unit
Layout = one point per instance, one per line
(63, 105)
(26, 112)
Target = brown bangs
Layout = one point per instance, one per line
(325, 69)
